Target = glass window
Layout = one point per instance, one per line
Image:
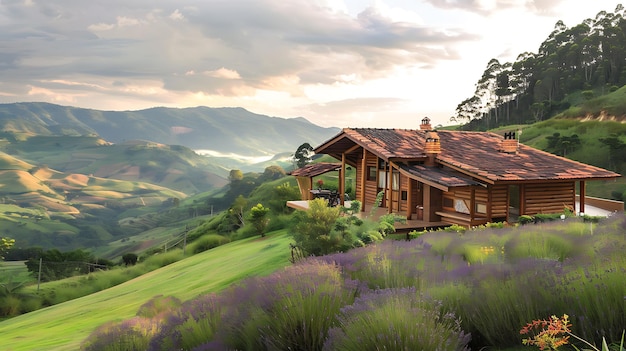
(371, 173)
(382, 179)
(460, 206)
(395, 181)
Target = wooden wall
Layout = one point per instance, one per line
(404, 186)
(548, 198)
(481, 195)
(370, 185)
(499, 201)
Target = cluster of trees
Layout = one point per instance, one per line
(589, 56)
(49, 265)
(562, 144)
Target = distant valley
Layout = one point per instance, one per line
(71, 176)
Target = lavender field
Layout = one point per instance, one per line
(441, 291)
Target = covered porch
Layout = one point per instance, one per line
(410, 225)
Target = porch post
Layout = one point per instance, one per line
(427, 202)
(409, 203)
(508, 202)
(582, 197)
(522, 199)
(489, 199)
(363, 179)
(472, 203)
(388, 190)
(342, 179)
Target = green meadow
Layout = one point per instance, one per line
(65, 326)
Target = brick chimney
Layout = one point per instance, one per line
(425, 124)
(432, 147)
(509, 145)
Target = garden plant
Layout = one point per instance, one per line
(472, 290)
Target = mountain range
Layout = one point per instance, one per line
(73, 177)
(221, 130)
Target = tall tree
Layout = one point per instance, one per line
(303, 155)
(259, 219)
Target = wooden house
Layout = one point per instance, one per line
(457, 177)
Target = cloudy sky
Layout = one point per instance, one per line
(342, 63)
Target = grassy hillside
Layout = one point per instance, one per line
(171, 166)
(47, 208)
(64, 326)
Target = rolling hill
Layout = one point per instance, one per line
(48, 208)
(64, 326)
(70, 176)
(224, 130)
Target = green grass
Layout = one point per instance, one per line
(65, 326)
(14, 271)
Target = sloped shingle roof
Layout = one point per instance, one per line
(474, 153)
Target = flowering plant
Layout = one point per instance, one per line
(320, 183)
(556, 332)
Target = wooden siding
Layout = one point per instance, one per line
(499, 201)
(370, 185)
(548, 198)
(465, 193)
(404, 186)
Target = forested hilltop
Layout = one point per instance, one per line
(573, 66)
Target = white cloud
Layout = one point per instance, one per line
(336, 62)
(223, 73)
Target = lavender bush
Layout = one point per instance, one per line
(130, 335)
(289, 310)
(191, 325)
(396, 319)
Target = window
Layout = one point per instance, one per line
(461, 206)
(395, 181)
(403, 195)
(382, 179)
(455, 205)
(371, 173)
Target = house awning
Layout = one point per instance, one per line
(436, 177)
(315, 169)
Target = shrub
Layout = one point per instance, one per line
(208, 242)
(547, 217)
(133, 334)
(525, 219)
(157, 306)
(162, 259)
(190, 326)
(10, 306)
(540, 244)
(312, 229)
(455, 228)
(291, 309)
(396, 319)
(129, 259)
